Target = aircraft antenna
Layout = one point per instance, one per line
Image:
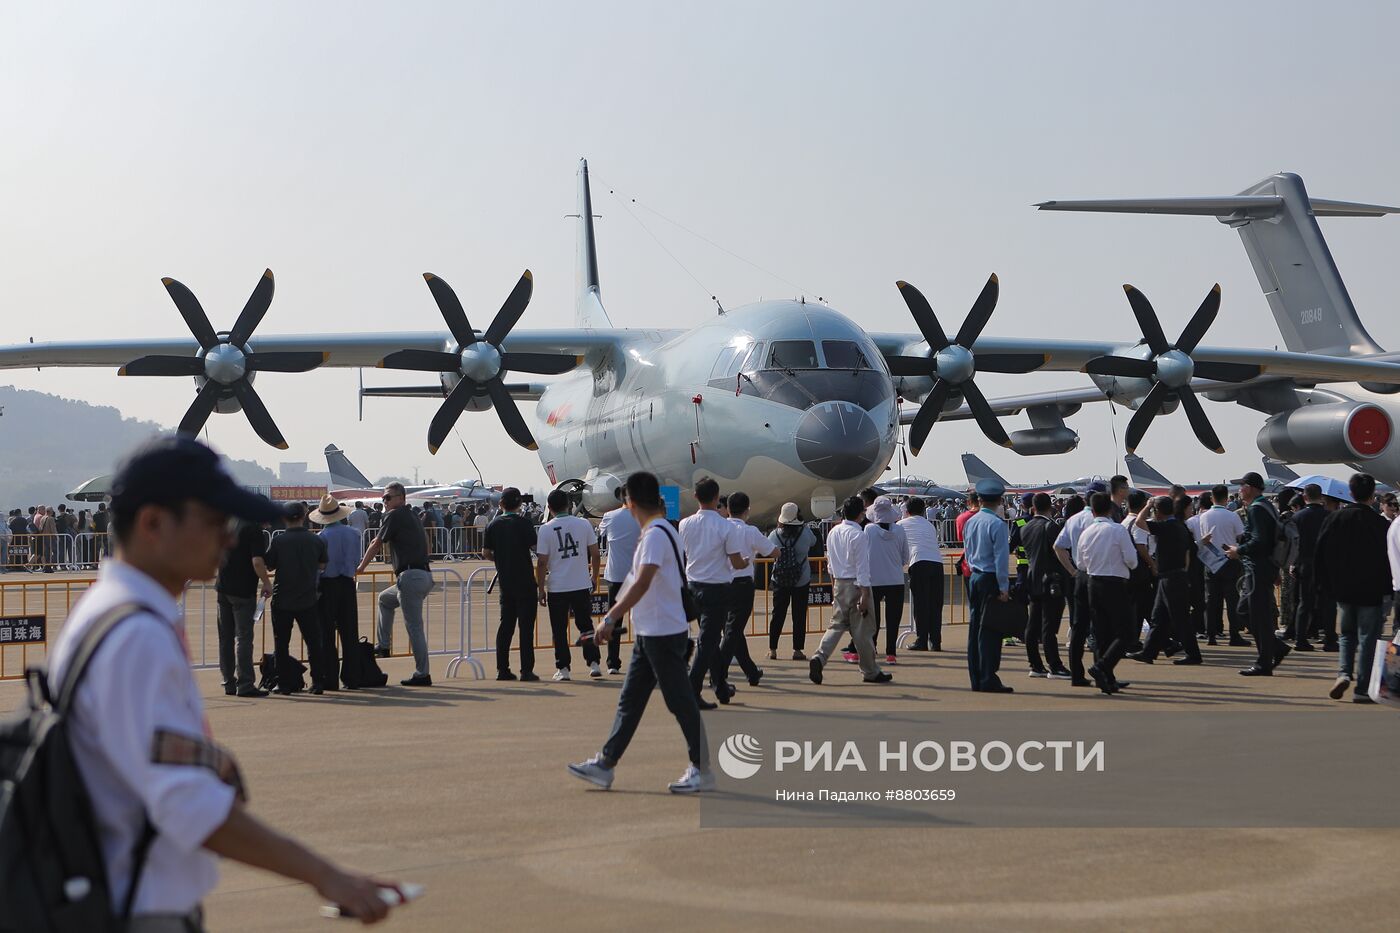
(1113, 426)
(674, 258)
(469, 456)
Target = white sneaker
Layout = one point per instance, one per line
(1035, 673)
(593, 771)
(594, 670)
(561, 674)
(614, 670)
(693, 781)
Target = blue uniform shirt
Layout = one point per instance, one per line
(342, 551)
(987, 546)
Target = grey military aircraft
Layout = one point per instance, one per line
(792, 400)
(977, 470)
(909, 485)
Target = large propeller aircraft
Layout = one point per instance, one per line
(792, 400)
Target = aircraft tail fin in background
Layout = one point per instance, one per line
(1275, 470)
(344, 474)
(1278, 223)
(977, 471)
(1143, 475)
(588, 297)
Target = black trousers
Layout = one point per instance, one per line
(1171, 616)
(519, 609)
(1257, 606)
(1222, 592)
(891, 597)
(1142, 591)
(796, 598)
(339, 616)
(657, 661)
(1317, 612)
(926, 602)
(579, 603)
(712, 603)
(1111, 613)
(1080, 624)
(614, 649)
(735, 644)
(1196, 589)
(1043, 629)
(308, 619)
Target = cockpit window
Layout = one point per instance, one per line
(844, 354)
(726, 357)
(792, 354)
(751, 361)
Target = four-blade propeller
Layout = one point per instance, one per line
(224, 362)
(480, 362)
(1171, 368)
(951, 364)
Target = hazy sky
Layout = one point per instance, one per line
(351, 147)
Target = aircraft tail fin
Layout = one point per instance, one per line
(343, 472)
(1277, 221)
(1276, 470)
(1143, 475)
(588, 298)
(977, 470)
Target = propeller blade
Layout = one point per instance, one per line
(257, 414)
(1116, 366)
(1200, 321)
(986, 418)
(1147, 320)
(423, 361)
(451, 309)
(195, 318)
(448, 413)
(253, 311)
(929, 413)
(164, 366)
(924, 317)
(1010, 362)
(1227, 372)
(1199, 422)
(980, 314)
(286, 361)
(1151, 405)
(909, 365)
(546, 364)
(511, 309)
(200, 409)
(511, 418)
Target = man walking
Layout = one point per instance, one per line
(925, 576)
(618, 532)
(987, 550)
(339, 613)
(1107, 556)
(1080, 625)
(1353, 565)
(848, 561)
(242, 569)
(711, 557)
(509, 542)
(1255, 550)
(1223, 526)
(1170, 616)
(735, 645)
(1048, 585)
(1317, 609)
(652, 593)
(566, 564)
(298, 556)
(408, 542)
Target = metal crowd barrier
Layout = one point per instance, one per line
(47, 553)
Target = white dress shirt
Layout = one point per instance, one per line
(1106, 550)
(1223, 525)
(1392, 548)
(116, 714)
(1068, 537)
(923, 539)
(1140, 535)
(621, 531)
(660, 610)
(848, 553)
(709, 540)
(752, 542)
(889, 554)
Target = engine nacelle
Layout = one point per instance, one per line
(1040, 441)
(1337, 432)
(593, 496)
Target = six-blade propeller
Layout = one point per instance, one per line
(951, 364)
(480, 362)
(1171, 368)
(225, 362)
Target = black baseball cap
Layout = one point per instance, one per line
(1252, 479)
(175, 468)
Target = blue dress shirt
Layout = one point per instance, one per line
(342, 551)
(987, 546)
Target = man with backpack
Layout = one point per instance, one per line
(125, 832)
(791, 580)
(1260, 549)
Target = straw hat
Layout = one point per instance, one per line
(788, 515)
(329, 511)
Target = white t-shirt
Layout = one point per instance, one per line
(621, 531)
(751, 542)
(565, 540)
(659, 611)
(709, 539)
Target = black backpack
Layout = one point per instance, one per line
(363, 668)
(52, 877)
(787, 569)
(295, 674)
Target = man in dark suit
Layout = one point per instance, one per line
(1048, 585)
(1317, 610)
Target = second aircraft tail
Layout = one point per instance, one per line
(977, 470)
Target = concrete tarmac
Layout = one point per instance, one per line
(461, 786)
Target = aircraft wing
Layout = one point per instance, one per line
(342, 349)
(1015, 404)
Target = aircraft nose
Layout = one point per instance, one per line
(838, 440)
